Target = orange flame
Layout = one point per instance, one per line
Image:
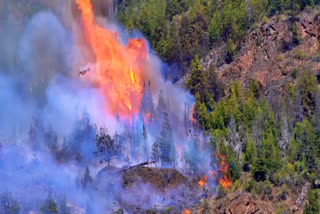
(193, 115)
(225, 181)
(203, 181)
(147, 117)
(119, 68)
(187, 211)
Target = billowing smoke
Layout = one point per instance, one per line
(52, 111)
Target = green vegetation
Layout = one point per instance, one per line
(313, 203)
(180, 29)
(275, 144)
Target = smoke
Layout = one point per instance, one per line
(50, 115)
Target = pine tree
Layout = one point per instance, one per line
(145, 139)
(8, 205)
(106, 146)
(312, 206)
(87, 179)
(64, 209)
(167, 150)
(155, 155)
(196, 80)
(49, 206)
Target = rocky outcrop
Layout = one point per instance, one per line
(243, 203)
(271, 54)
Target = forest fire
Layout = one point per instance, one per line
(225, 181)
(203, 181)
(119, 69)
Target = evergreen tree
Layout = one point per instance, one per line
(155, 155)
(8, 205)
(106, 146)
(312, 207)
(49, 206)
(166, 146)
(64, 209)
(196, 80)
(87, 179)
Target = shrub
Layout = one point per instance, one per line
(265, 19)
(300, 54)
(282, 210)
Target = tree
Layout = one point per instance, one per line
(193, 156)
(153, 23)
(162, 106)
(64, 209)
(230, 51)
(196, 79)
(106, 146)
(49, 206)
(312, 207)
(250, 151)
(215, 28)
(155, 155)
(145, 139)
(8, 205)
(166, 145)
(186, 39)
(87, 179)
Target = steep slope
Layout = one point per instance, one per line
(273, 52)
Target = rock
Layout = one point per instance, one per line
(316, 184)
(301, 198)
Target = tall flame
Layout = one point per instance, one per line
(225, 181)
(119, 68)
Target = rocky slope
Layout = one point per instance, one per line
(272, 52)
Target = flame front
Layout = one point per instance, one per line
(203, 181)
(119, 68)
(224, 169)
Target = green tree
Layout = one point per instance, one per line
(250, 151)
(153, 23)
(196, 80)
(312, 206)
(231, 51)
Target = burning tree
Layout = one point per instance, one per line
(106, 146)
(147, 106)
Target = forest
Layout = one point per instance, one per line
(160, 109)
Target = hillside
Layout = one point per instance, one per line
(160, 106)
